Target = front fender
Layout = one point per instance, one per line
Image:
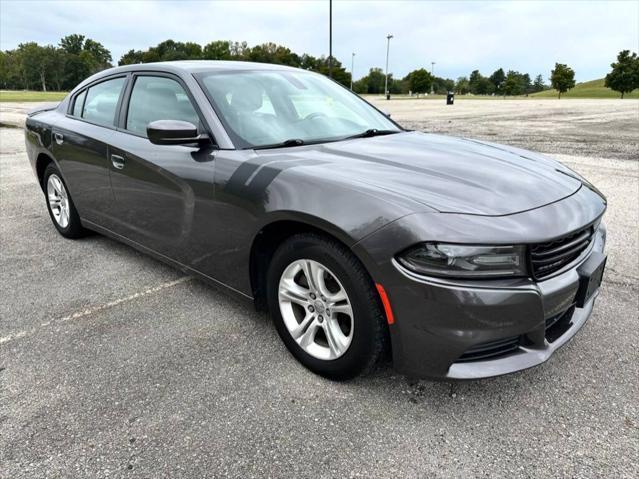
(347, 210)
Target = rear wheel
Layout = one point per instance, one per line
(325, 308)
(60, 205)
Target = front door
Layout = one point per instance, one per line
(161, 191)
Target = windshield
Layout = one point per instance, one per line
(261, 108)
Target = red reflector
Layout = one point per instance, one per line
(387, 307)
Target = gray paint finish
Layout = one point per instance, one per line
(201, 210)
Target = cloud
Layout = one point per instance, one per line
(458, 36)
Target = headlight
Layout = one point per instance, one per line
(452, 260)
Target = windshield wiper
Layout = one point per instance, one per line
(372, 132)
(283, 144)
(300, 142)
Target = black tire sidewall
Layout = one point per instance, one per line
(364, 348)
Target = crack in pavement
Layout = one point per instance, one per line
(95, 309)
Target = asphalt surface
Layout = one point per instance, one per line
(114, 365)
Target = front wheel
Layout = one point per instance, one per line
(325, 307)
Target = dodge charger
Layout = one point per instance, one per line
(454, 257)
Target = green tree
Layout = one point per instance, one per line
(170, 50)
(72, 44)
(562, 78)
(100, 55)
(339, 73)
(57, 59)
(11, 74)
(527, 83)
(239, 50)
(192, 50)
(81, 57)
(371, 83)
(515, 83)
(75, 70)
(462, 86)
(479, 84)
(396, 85)
(269, 53)
(32, 63)
(217, 50)
(131, 58)
(5, 67)
(497, 79)
(539, 84)
(419, 81)
(443, 85)
(376, 79)
(20, 75)
(226, 50)
(624, 76)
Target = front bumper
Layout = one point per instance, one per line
(467, 330)
(526, 356)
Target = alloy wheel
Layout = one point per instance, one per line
(58, 200)
(316, 309)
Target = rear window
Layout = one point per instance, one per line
(102, 101)
(77, 105)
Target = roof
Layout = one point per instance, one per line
(197, 66)
(182, 67)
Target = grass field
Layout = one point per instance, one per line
(589, 89)
(27, 95)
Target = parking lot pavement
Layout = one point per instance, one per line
(114, 365)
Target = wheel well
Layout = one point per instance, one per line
(264, 246)
(41, 164)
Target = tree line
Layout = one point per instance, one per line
(511, 83)
(35, 67)
(239, 51)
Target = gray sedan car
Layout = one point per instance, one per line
(457, 258)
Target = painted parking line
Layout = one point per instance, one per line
(95, 309)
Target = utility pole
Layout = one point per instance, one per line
(352, 66)
(330, 38)
(432, 74)
(386, 92)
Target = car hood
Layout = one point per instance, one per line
(448, 174)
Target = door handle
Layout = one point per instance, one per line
(59, 138)
(118, 161)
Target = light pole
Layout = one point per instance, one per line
(388, 37)
(352, 66)
(432, 74)
(330, 38)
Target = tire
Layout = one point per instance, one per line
(60, 205)
(364, 333)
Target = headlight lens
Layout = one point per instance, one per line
(453, 260)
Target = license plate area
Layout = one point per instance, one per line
(590, 276)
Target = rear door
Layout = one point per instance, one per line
(162, 192)
(80, 146)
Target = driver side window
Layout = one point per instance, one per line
(158, 98)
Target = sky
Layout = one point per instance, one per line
(459, 36)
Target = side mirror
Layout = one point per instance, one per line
(173, 132)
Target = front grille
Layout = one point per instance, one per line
(490, 350)
(547, 258)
